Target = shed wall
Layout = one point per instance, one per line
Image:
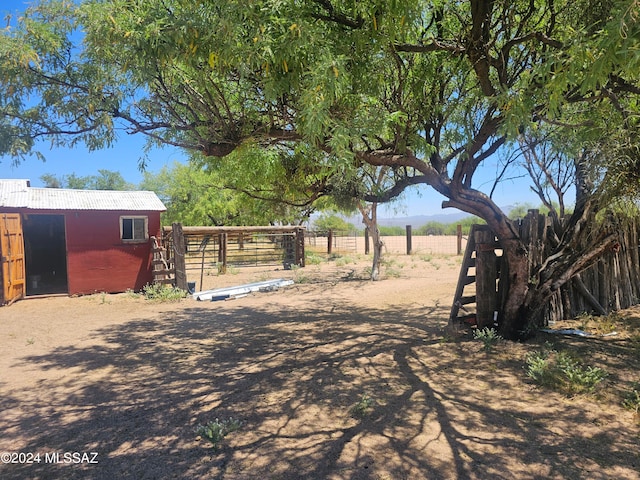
(98, 260)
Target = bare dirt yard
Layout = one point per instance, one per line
(334, 378)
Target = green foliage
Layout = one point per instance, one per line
(362, 406)
(391, 231)
(163, 293)
(328, 221)
(216, 430)
(562, 372)
(392, 268)
(599, 324)
(217, 78)
(104, 180)
(520, 210)
(344, 260)
(439, 228)
(631, 399)
(315, 80)
(489, 338)
(197, 195)
(312, 258)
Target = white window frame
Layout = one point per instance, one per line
(133, 219)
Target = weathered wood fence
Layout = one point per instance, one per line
(612, 283)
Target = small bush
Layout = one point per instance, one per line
(362, 406)
(600, 325)
(130, 293)
(342, 261)
(632, 399)
(563, 373)
(311, 258)
(488, 336)
(163, 293)
(216, 430)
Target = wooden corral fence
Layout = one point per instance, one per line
(612, 283)
(197, 250)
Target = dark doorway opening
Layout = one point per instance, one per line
(45, 254)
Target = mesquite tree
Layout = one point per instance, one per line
(427, 89)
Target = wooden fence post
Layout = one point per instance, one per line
(409, 239)
(179, 250)
(366, 241)
(329, 241)
(486, 272)
(300, 261)
(459, 239)
(222, 252)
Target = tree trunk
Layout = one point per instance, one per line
(378, 244)
(512, 311)
(512, 316)
(531, 282)
(369, 218)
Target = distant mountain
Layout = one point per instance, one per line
(414, 221)
(419, 220)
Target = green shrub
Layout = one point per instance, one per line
(631, 400)
(392, 231)
(562, 372)
(331, 221)
(362, 406)
(216, 430)
(488, 336)
(163, 293)
(311, 258)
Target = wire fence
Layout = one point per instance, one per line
(343, 242)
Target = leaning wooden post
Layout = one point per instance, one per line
(409, 239)
(459, 239)
(486, 272)
(366, 241)
(179, 251)
(222, 252)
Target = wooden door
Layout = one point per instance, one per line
(12, 257)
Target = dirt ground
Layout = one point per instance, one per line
(114, 386)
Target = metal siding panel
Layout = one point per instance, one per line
(61, 199)
(97, 259)
(18, 194)
(14, 193)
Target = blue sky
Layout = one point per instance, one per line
(124, 155)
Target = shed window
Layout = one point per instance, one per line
(134, 229)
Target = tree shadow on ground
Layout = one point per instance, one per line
(440, 409)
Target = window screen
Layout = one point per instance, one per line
(133, 229)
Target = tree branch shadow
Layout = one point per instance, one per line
(137, 395)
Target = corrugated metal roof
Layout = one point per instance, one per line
(14, 193)
(19, 195)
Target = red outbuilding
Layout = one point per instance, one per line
(57, 240)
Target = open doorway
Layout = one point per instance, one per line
(45, 254)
